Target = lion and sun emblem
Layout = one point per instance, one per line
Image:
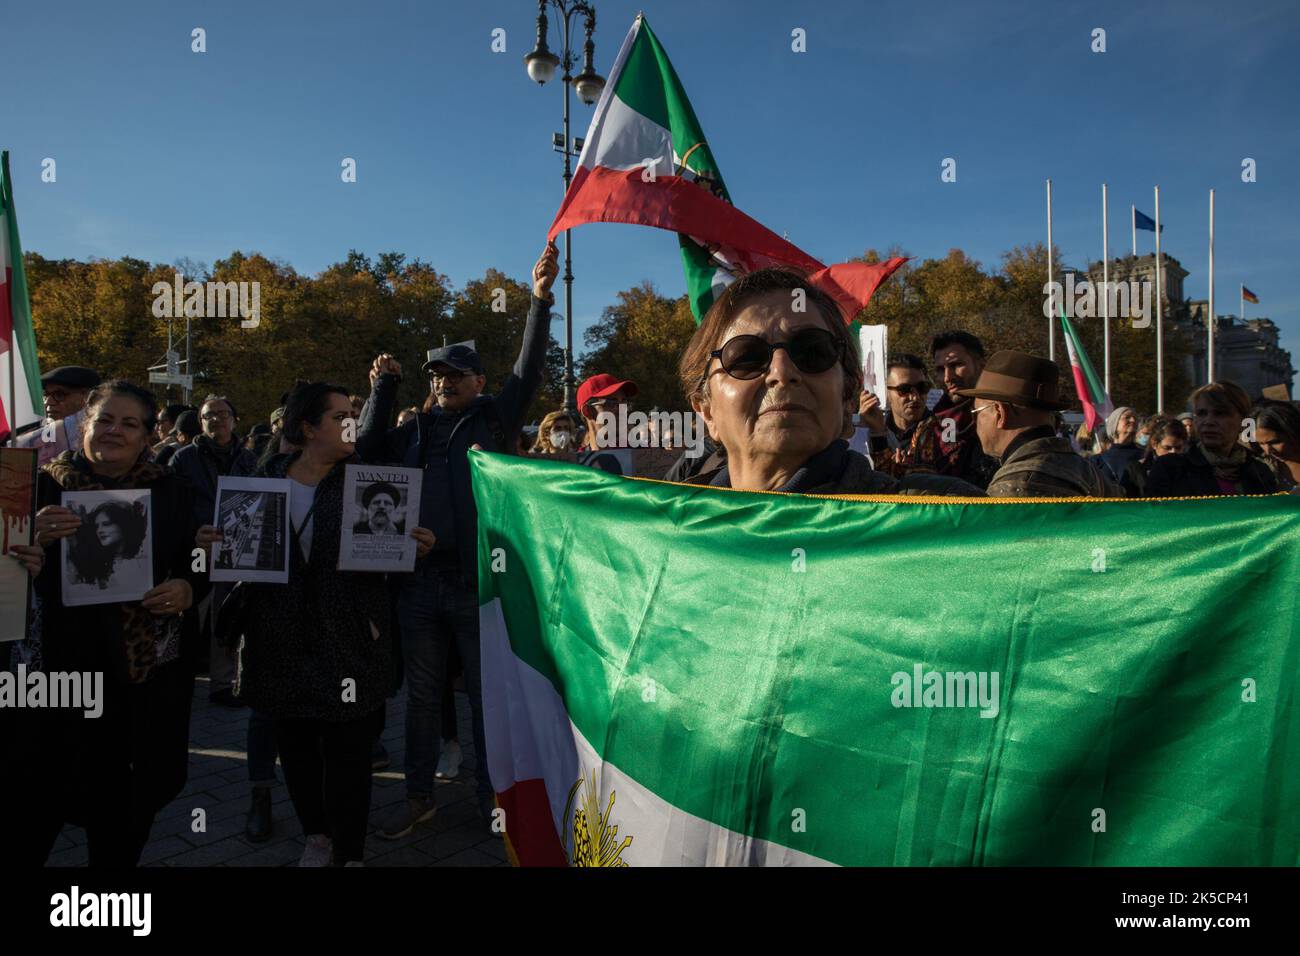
(592, 839)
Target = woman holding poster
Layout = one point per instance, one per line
(316, 654)
(114, 772)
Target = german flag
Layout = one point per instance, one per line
(1249, 296)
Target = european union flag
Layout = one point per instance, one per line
(1145, 222)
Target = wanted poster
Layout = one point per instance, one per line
(380, 507)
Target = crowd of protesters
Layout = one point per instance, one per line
(781, 393)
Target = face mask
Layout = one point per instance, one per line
(1142, 440)
(560, 440)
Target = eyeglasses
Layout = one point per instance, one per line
(216, 416)
(905, 390)
(746, 357)
(976, 410)
(447, 376)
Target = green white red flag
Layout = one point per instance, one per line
(678, 675)
(1087, 384)
(20, 373)
(646, 162)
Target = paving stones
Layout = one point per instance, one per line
(218, 784)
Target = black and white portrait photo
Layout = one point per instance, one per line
(382, 509)
(110, 556)
(381, 505)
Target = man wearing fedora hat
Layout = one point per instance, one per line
(1016, 399)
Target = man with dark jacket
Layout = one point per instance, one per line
(1015, 401)
(893, 429)
(438, 603)
(945, 442)
(187, 429)
(215, 452)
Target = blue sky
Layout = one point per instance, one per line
(163, 153)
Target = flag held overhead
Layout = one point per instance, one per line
(646, 162)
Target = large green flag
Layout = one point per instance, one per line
(679, 675)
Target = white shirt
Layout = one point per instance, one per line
(300, 499)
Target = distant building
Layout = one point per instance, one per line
(1245, 352)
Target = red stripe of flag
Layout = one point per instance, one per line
(530, 828)
(679, 205)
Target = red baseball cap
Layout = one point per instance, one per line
(601, 386)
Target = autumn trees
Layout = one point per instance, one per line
(324, 327)
(1004, 308)
(330, 325)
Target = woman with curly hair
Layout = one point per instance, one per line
(112, 532)
(557, 435)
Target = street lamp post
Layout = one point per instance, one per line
(541, 64)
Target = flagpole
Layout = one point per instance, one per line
(1209, 345)
(13, 395)
(1160, 320)
(1105, 283)
(1133, 214)
(1243, 303)
(6, 188)
(1051, 323)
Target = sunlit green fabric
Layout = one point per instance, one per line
(736, 653)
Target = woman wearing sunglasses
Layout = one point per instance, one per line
(773, 372)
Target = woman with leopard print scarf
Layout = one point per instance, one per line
(112, 774)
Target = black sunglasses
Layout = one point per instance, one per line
(906, 390)
(813, 351)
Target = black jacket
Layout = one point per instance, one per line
(492, 421)
(1189, 475)
(135, 755)
(1115, 460)
(303, 639)
(686, 467)
(200, 467)
(838, 470)
(89, 637)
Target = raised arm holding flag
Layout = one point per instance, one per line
(646, 162)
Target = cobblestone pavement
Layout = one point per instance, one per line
(218, 783)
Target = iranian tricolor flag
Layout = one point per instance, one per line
(646, 162)
(1087, 384)
(679, 675)
(20, 374)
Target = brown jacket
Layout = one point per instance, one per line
(1048, 467)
